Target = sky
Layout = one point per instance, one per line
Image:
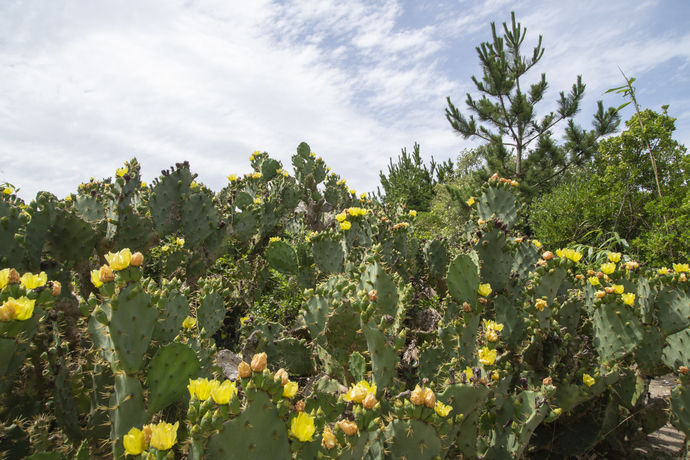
(88, 84)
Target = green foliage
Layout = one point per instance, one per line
(410, 183)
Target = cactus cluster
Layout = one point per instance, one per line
(491, 347)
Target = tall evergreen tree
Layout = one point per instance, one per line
(507, 119)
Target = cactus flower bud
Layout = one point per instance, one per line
(57, 288)
(137, 259)
(349, 428)
(106, 275)
(547, 381)
(373, 296)
(466, 307)
(369, 401)
(300, 406)
(328, 440)
(282, 377)
(417, 396)
(244, 370)
(548, 255)
(683, 370)
(429, 398)
(13, 277)
(259, 362)
(600, 294)
(610, 290)
(6, 312)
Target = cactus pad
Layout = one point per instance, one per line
(168, 374)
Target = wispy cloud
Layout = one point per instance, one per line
(89, 84)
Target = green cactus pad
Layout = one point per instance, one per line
(135, 232)
(525, 258)
(673, 310)
(628, 390)
(430, 359)
(126, 408)
(35, 235)
(369, 446)
(649, 352)
(66, 411)
(520, 409)
(100, 335)
(246, 224)
(131, 327)
(269, 218)
(463, 278)
(342, 330)
(269, 169)
(173, 310)
(568, 315)
(436, 257)
(358, 366)
(496, 263)
(282, 257)
(257, 433)
(11, 252)
(677, 353)
(680, 408)
(169, 373)
(243, 200)
(618, 331)
(510, 317)
(318, 309)
(498, 203)
(97, 423)
(375, 277)
(89, 208)
(70, 238)
(167, 199)
(290, 197)
(412, 439)
(384, 359)
(328, 255)
(210, 313)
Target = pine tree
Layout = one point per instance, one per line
(410, 183)
(506, 115)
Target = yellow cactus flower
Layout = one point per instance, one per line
(594, 281)
(353, 191)
(223, 393)
(6, 312)
(257, 200)
(495, 376)
(189, 322)
(484, 289)
(429, 397)
(572, 255)
(536, 243)
(285, 174)
(588, 380)
(232, 177)
(256, 175)
(413, 213)
(363, 196)
(31, 281)
(23, 308)
(4, 277)
(628, 298)
(302, 427)
(275, 238)
(491, 329)
(540, 304)
(355, 212)
(290, 390)
(468, 373)
(164, 435)
(134, 442)
(608, 268)
(119, 260)
(349, 428)
(358, 392)
(559, 252)
(340, 217)
(614, 257)
(442, 410)
(251, 157)
(618, 288)
(121, 171)
(487, 357)
(470, 202)
(179, 241)
(193, 185)
(632, 265)
(202, 388)
(369, 401)
(600, 294)
(143, 184)
(679, 268)
(105, 274)
(345, 225)
(95, 279)
(328, 439)
(7, 191)
(244, 320)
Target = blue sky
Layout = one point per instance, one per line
(88, 84)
